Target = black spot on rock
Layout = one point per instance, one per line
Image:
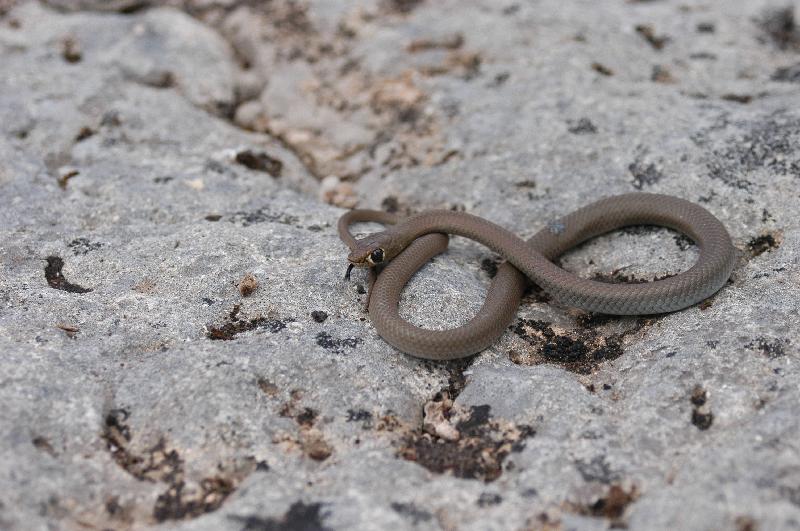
(649, 34)
(583, 126)
(488, 499)
(706, 27)
(597, 469)
(262, 215)
(306, 417)
(611, 505)
(602, 69)
(319, 316)
(578, 350)
(55, 278)
(762, 244)
(234, 325)
(698, 396)
(683, 242)
(359, 415)
(737, 98)
(788, 74)
(83, 246)
(478, 452)
(412, 512)
(769, 146)
(779, 27)
(337, 345)
(489, 265)
(260, 161)
(702, 419)
(644, 175)
(300, 517)
(771, 348)
(479, 416)
(177, 503)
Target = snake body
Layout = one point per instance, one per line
(407, 244)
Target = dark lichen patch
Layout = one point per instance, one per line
(180, 502)
(262, 215)
(500, 79)
(83, 246)
(267, 387)
(702, 417)
(489, 265)
(780, 28)
(309, 439)
(618, 277)
(118, 511)
(300, 516)
(260, 161)
(235, 325)
(737, 98)
(611, 505)
(467, 443)
(769, 145)
(790, 493)
(55, 278)
(644, 174)
(582, 126)
(64, 176)
(764, 243)
(159, 463)
(706, 27)
(84, 133)
(661, 74)
(360, 415)
(698, 396)
(578, 350)
(708, 56)
(683, 242)
(489, 499)
(787, 74)
(71, 50)
(337, 345)
(602, 69)
(390, 204)
(648, 33)
(598, 470)
(448, 42)
(771, 348)
(412, 512)
(43, 444)
(402, 6)
(305, 416)
(745, 523)
(319, 316)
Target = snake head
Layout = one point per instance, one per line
(370, 251)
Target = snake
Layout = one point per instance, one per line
(393, 255)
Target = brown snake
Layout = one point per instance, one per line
(407, 244)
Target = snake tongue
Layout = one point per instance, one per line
(349, 269)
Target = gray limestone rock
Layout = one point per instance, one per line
(154, 155)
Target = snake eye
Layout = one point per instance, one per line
(376, 256)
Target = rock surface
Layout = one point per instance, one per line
(179, 349)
